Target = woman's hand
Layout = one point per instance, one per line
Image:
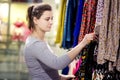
(88, 38)
(67, 77)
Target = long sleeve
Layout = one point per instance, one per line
(41, 62)
(41, 51)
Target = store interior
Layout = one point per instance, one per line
(72, 20)
(13, 32)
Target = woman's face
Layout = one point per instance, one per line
(45, 22)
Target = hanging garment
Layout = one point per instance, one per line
(77, 66)
(88, 18)
(61, 22)
(109, 32)
(118, 59)
(69, 23)
(74, 66)
(99, 12)
(88, 63)
(20, 31)
(97, 75)
(65, 70)
(99, 15)
(67, 40)
(78, 22)
(118, 55)
(101, 72)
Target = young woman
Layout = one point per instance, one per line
(42, 63)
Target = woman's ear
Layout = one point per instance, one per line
(35, 20)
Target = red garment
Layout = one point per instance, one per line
(19, 24)
(20, 32)
(77, 66)
(88, 18)
(26, 33)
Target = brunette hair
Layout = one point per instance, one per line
(36, 11)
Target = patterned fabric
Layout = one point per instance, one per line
(118, 60)
(109, 32)
(88, 18)
(88, 63)
(99, 12)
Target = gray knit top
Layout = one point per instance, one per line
(42, 63)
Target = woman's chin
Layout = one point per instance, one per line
(48, 30)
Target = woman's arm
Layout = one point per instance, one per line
(76, 50)
(43, 53)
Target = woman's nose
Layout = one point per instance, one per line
(51, 22)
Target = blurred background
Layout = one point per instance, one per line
(13, 32)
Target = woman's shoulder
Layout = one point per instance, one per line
(33, 41)
(32, 44)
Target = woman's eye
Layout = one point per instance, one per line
(52, 18)
(47, 19)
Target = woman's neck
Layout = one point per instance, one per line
(39, 35)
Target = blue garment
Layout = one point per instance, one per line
(70, 17)
(65, 70)
(69, 22)
(78, 22)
